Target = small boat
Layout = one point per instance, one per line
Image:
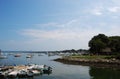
(29, 56)
(36, 67)
(2, 76)
(30, 73)
(41, 68)
(22, 74)
(36, 72)
(17, 55)
(13, 74)
(47, 70)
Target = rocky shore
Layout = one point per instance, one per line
(102, 63)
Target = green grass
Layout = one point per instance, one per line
(92, 57)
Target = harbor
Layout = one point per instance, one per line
(23, 71)
(33, 68)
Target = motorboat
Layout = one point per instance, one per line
(22, 73)
(30, 73)
(29, 56)
(17, 55)
(36, 72)
(2, 75)
(13, 74)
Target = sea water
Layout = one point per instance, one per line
(60, 70)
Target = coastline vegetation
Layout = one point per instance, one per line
(104, 51)
(104, 45)
(92, 57)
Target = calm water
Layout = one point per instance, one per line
(62, 71)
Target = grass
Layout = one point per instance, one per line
(92, 57)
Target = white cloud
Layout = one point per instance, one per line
(114, 9)
(52, 24)
(104, 7)
(73, 29)
(72, 35)
(97, 11)
(53, 34)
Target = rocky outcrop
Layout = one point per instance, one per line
(109, 63)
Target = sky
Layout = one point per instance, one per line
(49, 25)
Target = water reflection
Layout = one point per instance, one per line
(100, 73)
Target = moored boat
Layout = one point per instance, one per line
(36, 72)
(30, 73)
(22, 73)
(17, 55)
(29, 56)
(47, 70)
(2, 76)
(13, 74)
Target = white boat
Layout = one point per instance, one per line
(22, 73)
(36, 67)
(29, 56)
(30, 73)
(36, 72)
(2, 75)
(42, 68)
(17, 55)
(13, 74)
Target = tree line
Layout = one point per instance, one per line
(102, 44)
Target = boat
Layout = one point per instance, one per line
(17, 55)
(36, 67)
(36, 72)
(13, 74)
(2, 75)
(24, 71)
(47, 69)
(30, 73)
(42, 68)
(22, 74)
(29, 56)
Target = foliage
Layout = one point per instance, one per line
(101, 42)
(97, 43)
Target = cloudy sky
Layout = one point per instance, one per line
(56, 24)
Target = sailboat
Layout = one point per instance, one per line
(2, 56)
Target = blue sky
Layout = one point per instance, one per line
(56, 24)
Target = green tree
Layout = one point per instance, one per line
(115, 43)
(98, 43)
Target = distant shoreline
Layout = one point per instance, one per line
(103, 63)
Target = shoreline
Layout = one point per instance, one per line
(101, 63)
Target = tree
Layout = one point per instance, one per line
(101, 44)
(98, 43)
(115, 43)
